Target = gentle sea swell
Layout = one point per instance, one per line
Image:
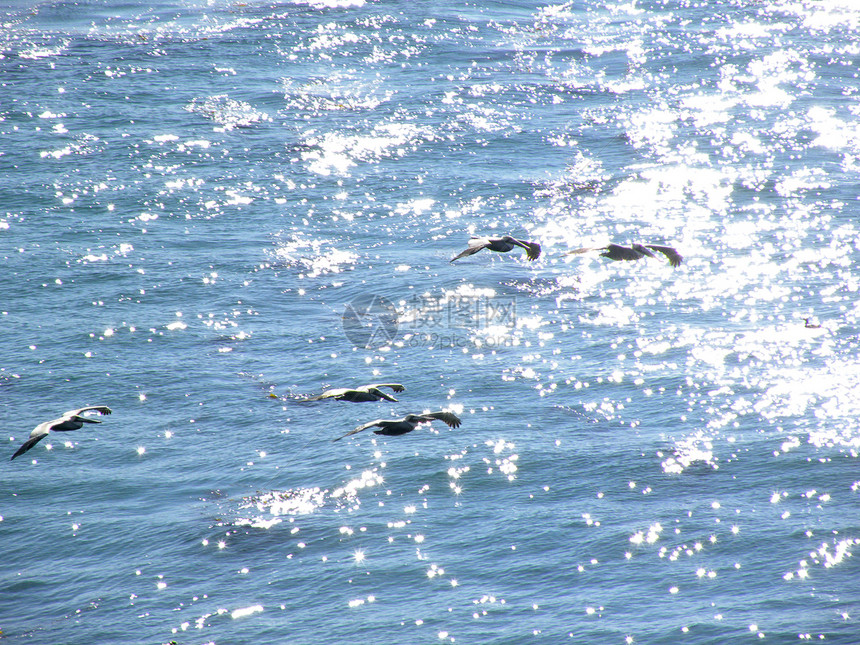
(194, 195)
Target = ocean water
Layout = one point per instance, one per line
(211, 210)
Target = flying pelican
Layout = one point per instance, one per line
(634, 252)
(500, 245)
(363, 393)
(396, 427)
(71, 420)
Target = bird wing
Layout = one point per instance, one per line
(102, 409)
(73, 419)
(73, 423)
(382, 395)
(394, 386)
(623, 252)
(360, 428)
(583, 250)
(329, 394)
(532, 248)
(675, 258)
(32, 441)
(448, 417)
(475, 245)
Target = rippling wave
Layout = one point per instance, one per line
(198, 196)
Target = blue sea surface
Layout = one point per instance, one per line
(211, 211)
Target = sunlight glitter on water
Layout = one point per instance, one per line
(226, 112)
(688, 452)
(245, 611)
(337, 153)
(338, 92)
(580, 124)
(313, 257)
(300, 501)
(349, 491)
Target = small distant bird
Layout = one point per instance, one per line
(396, 427)
(634, 252)
(500, 245)
(71, 420)
(360, 394)
(810, 325)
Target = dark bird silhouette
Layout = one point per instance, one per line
(363, 393)
(396, 427)
(500, 245)
(71, 420)
(634, 252)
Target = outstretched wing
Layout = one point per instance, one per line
(618, 252)
(674, 257)
(475, 244)
(375, 391)
(611, 251)
(359, 429)
(328, 394)
(532, 248)
(32, 441)
(448, 417)
(583, 250)
(101, 409)
(394, 386)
